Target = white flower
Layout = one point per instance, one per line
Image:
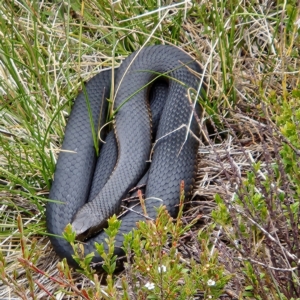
(236, 243)
(149, 285)
(162, 269)
(211, 282)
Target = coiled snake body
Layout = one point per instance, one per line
(175, 151)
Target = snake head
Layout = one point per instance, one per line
(86, 225)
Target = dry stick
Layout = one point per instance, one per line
(136, 212)
(42, 287)
(287, 191)
(224, 170)
(285, 251)
(138, 187)
(101, 110)
(169, 133)
(99, 131)
(267, 127)
(261, 174)
(34, 218)
(154, 11)
(245, 151)
(277, 190)
(228, 177)
(292, 256)
(232, 198)
(62, 282)
(131, 199)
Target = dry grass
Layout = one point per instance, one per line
(250, 53)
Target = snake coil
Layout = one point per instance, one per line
(91, 189)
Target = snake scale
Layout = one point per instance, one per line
(91, 188)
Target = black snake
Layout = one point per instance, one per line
(120, 168)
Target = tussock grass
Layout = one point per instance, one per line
(246, 202)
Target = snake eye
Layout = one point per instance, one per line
(82, 226)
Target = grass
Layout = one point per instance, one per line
(244, 216)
